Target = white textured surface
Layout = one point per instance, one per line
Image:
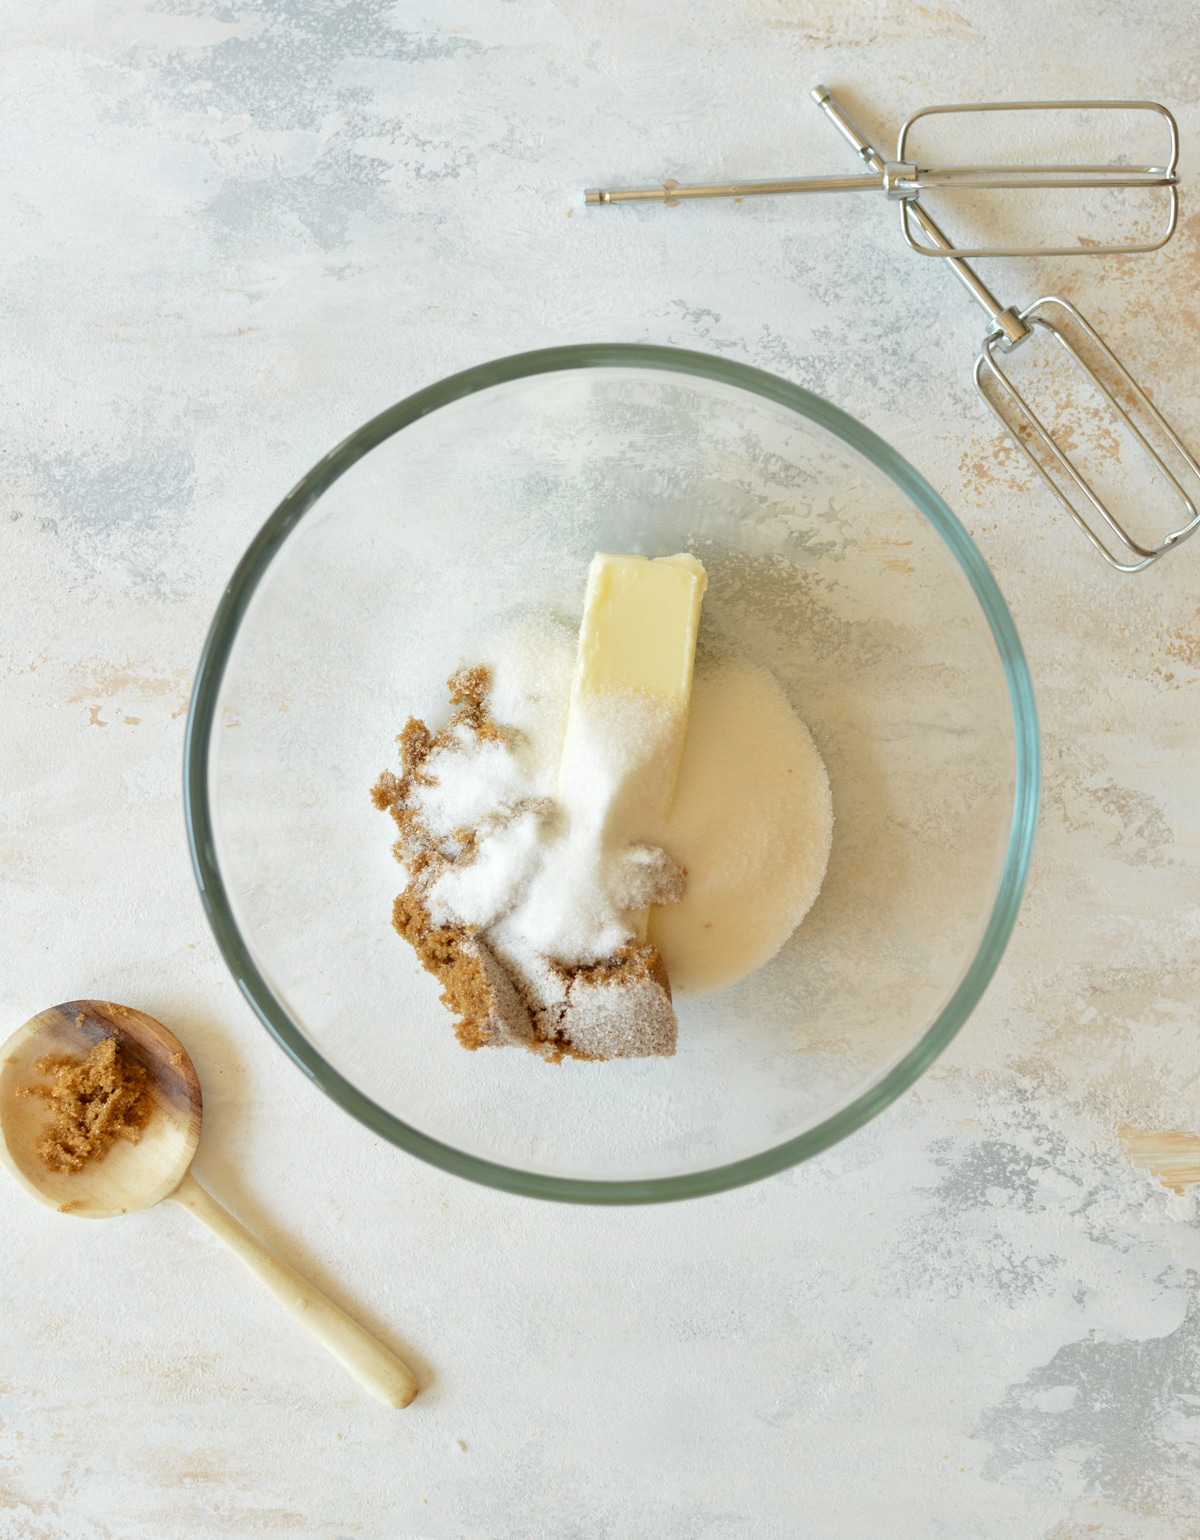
(231, 236)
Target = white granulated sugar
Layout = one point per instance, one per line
(555, 822)
(752, 823)
(576, 906)
(471, 778)
(481, 891)
(531, 663)
(572, 836)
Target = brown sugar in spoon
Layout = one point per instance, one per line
(136, 1176)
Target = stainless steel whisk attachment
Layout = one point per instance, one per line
(1009, 328)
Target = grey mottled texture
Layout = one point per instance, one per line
(233, 233)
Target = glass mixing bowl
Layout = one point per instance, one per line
(830, 561)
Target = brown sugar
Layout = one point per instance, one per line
(94, 1101)
(475, 985)
(619, 1007)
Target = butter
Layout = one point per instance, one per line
(640, 620)
(626, 723)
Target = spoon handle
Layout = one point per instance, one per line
(372, 1365)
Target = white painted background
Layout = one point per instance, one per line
(231, 234)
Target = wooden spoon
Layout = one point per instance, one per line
(135, 1176)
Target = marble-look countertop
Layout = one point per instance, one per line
(233, 233)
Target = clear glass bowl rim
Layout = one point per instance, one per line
(215, 656)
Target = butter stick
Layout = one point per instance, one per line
(640, 620)
(629, 697)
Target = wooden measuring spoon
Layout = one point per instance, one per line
(135, 1176)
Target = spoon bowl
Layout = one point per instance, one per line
(130, 1176)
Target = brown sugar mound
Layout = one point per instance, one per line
(476, 986)
(617, 1008)
(94, 1101)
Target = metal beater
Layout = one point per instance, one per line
(1009, 328)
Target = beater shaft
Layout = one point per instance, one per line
(903, 180)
